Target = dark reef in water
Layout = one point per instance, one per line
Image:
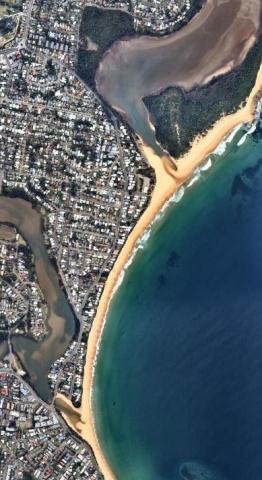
(199, 471)
(240, 187)
(173, 259)
(251, 172)
(243, 183)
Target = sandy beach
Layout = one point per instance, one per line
(168, 181)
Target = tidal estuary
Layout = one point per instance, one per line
(211, 44)
(177, 387)
(38, 357)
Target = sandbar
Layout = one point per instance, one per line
(168, 180)
(213, 43)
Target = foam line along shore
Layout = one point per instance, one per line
(169, 184)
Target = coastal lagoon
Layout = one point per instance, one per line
(211, 44)
(178, 385)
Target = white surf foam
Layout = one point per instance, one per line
(206, 166)
(220, 150)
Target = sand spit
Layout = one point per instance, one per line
(168, 181)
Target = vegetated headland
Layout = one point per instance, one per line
(99, 29)
(211, 45)
(125, 93)
(37, 357)
(179, 116)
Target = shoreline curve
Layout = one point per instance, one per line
(168, 181)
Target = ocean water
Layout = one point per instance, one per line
(178, 385)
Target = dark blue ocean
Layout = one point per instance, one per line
(178, 385)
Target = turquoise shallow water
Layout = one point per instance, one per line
(178, 385)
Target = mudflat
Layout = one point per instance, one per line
(27, 220)
(38, 357)
(215, 42)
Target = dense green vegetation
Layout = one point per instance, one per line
(17, 192)
(180, 116)
(102, 27)
(7, 26)
(3, 336)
